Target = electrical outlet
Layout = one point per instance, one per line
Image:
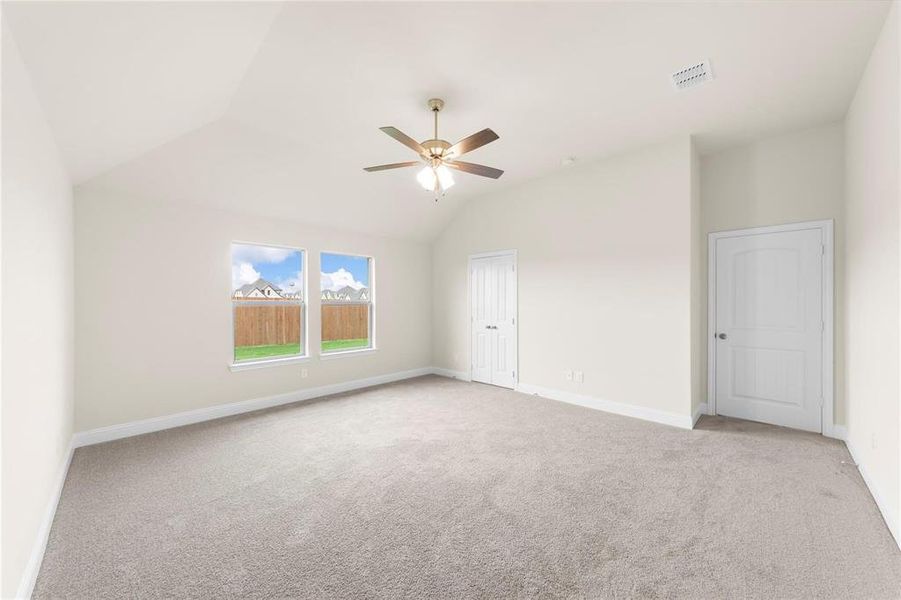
(303, 373)
(579, 377)
(568, 374)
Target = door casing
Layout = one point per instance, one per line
(826, 229)
(493, 254)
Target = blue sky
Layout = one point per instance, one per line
(279, 266)
(288, 268)
(282, 267)
(357, 266)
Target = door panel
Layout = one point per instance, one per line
(493, 284)
(767, 292)
(768, 375)
(769, 307)
(504, 273)
(481, 321)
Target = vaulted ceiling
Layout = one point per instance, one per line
(274, 108)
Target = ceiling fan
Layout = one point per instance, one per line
(439, 156)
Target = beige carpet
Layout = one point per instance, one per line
(434, 488)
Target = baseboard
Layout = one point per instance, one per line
(461, 375)
(701, 409)
(890, 519)
(618, 408)
(124, 430)
(33, 566)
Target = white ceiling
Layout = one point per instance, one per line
(274, 109)
(116, 79)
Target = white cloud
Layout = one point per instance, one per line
(339, 279)
(259, 254)
(243, 273)
(291, 284)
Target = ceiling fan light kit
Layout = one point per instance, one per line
(440, 156)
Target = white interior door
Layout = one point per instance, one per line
(493, 288)
(482, 298)
(769, 328)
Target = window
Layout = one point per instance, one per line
(267, 302)
(346, 297)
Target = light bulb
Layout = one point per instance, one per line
(445, 179)
(426, 178)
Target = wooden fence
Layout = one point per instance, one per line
(345, 321)
(264, 323)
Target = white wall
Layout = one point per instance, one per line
(698, 291)
(37, 319)
(872, 264)
(153, 310)
(604, 277)
(798, 176)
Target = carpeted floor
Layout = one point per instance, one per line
(433, 488)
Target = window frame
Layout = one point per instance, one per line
(259, 363)
(329, 354)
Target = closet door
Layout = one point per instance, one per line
(494, 329)
(482, 318)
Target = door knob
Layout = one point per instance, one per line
(722, 336)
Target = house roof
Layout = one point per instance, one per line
(260, 284)
(351, 294)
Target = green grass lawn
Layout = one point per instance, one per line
(257, 352)
(333, 345)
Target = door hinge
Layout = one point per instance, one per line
(514, 374)
(823, 249)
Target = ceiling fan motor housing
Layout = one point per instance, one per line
(435, 148)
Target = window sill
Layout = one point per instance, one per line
(346, 353)
(267, 362)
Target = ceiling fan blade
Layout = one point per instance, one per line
(404, 139)
(476, 140)
(410, 163)
(474, 168)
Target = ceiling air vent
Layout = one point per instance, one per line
(692, 75)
